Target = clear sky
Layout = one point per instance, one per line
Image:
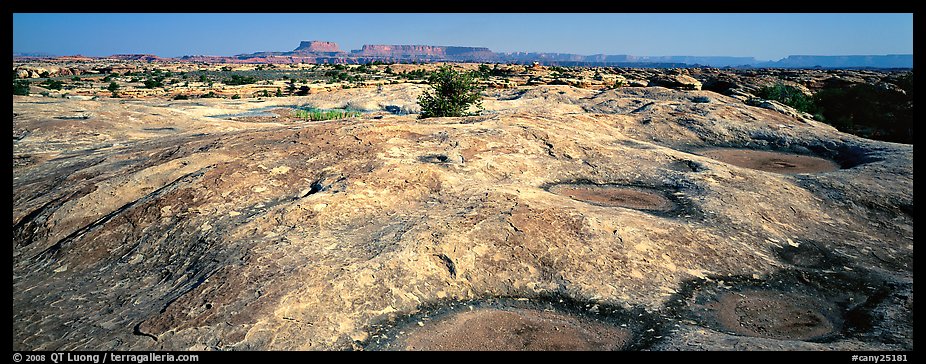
(764, 36)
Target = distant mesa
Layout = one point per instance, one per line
(316, 51)
(136, 57)
(316, 46)
(878, 61)
(379, 50)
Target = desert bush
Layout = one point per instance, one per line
(52, 84)
(113, 86)
(21, 88)
(236, 80)
(181, 97)
(154, 82)
(484, 71)
(788, 95)
(452, 93)
(419, 74)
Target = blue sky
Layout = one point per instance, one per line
(764, 36)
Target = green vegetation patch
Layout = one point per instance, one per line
(21, 87)
(452, 93)
(788, 95)
(315, 114)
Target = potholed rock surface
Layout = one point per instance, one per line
(146, 224)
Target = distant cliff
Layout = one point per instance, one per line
(881, 61)
(328, 52)
(426, 52)
(316, 51)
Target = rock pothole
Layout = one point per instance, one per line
(517, 325)
(661, 200)
(768, 161)
(638, 198)
(776, 315)
(798, 305)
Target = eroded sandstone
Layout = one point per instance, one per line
(150, 225)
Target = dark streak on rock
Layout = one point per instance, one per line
(80, 232)
(137, 332)
(451, 268)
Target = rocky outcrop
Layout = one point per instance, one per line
(30, 71)
(675, 81)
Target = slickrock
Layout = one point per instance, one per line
(150, 225)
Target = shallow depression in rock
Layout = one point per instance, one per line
(616, 196)
(513, 329)
(776, 315)
(767, 161)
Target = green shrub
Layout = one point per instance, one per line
(181, 97)
(240, 80)
(484, 71)
(113, 86)
(419, 74)
(21, 87)
(453, 94)
(236, 97)
(788, 95)
(52, 84)
(154, 82)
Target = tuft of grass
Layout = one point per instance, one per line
(314, 114)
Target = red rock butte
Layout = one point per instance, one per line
(317, 46)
